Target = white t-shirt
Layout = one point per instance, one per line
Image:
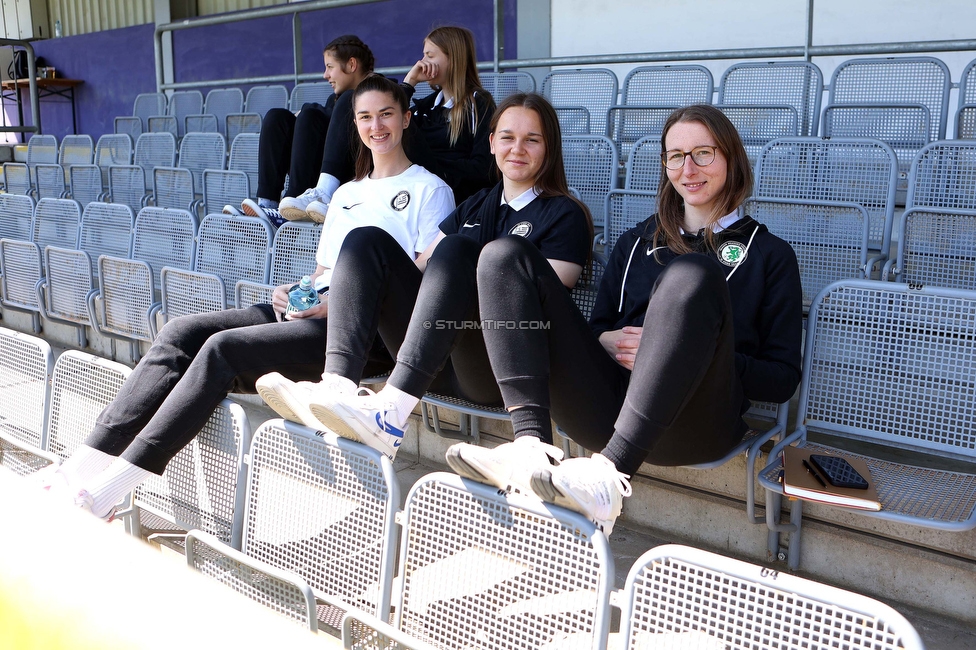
(409, 206)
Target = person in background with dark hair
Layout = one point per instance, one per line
(196, 360)
(316, 157)
(420, 308)
(698, 313)
(449, 132)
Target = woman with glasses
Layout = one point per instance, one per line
(698, 313)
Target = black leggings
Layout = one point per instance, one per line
(192, 365)
(681, 404)
(424, 319)
(291, 145)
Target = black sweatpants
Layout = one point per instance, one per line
(291, 145)
(192, 365)
(681, 404)
(424, 319)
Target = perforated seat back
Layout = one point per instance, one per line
(76, 150)
(106, 229)
(943, 175)
(261, 99)
(591, 169)
(503, 84)
(758, 125)
(26, 363)
(244, 157)
(317, 92)
(845, 170)
(625, 209)
(81, 386)
(668, 85)
(42, 149)
(112, 149)
(50, 181)
(200, 151)
(482, 569)
(221, 187)
(173, 187)
(644, 167)
(16, 178)
(293, 254)
(592, 88)
(222, 101)
(183, 103)
(794, 83)
(234, 248)
(164, 237)
(148, 104)
(896, 80)
(154, 150)
(682, 597)
(628, 124)
(18, 216)
(323, 507)
(56, 223)
(871, 343)
(937, 247)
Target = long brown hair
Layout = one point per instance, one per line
(457, 43)
(378, 83)
(738, 180)
(551, 180)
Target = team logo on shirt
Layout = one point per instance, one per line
(522, 229)
(731, 253)
(400, 201)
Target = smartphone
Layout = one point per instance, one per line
(839, 472)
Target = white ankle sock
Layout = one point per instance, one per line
(403, 402)
(267, 203)
(111, 486)
(327, 184)
(84, 464)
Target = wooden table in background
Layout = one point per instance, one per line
(45, 88)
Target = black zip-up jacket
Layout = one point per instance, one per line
(468, 166)
(767, 303)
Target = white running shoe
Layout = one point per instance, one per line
(294, 208)
(85, 501)
(508, 467)
(290, 399)
(317, 210)
(361, 417)
(232, 211)
(251, 208)
(591, 486)
(51, 479)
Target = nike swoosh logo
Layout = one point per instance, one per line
(470, 225)
(350, 207)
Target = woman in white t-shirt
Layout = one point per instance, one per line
(196, 360)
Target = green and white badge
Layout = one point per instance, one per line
(731, 253)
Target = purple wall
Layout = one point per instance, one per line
(116, 65)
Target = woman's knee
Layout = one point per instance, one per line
(278, 118)
(503, 254)
(690, 276)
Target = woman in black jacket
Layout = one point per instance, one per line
(698, 313)
(449, 129)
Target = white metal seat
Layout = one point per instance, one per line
(683, 597)
(319, 520)
(292, 256)
(26, 364)
(794, 83)
(591, 169)
(595, 89)
(893, 366)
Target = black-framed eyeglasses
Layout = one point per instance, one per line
(702, 156)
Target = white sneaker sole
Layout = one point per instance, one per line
(293, 214)
(315, 216)
(549, 492)
(282, 403)
(470, 468)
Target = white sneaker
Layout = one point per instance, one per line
(251, 208)
(232, 211)
(293, 207)
(361, 417)
(50, 479)
(85, 501)
(591, 486)
(317, 210)
(508, 467)
(290, 399)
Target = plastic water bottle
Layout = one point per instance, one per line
(303, 296)
(57, 29)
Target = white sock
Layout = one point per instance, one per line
(404, 403)
(84, 464)
(267, 203)
(327, 185)
(111, 486)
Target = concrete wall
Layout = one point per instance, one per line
(118, 64)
